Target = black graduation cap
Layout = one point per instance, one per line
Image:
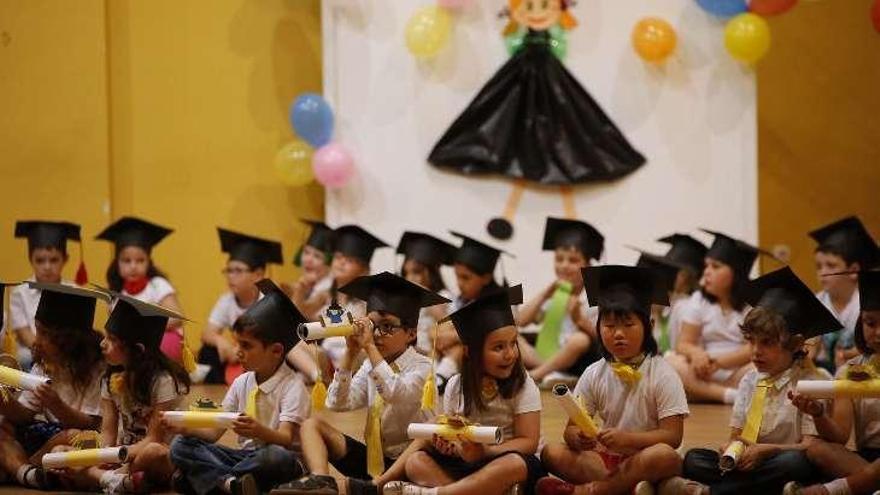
(734, 252)
(320, 236)
(356, 242)
(686, 250)
(276, 314)
(393, 294)
(562, 232)
(488, 313)
(138, 322)
(608, 284)
(253, 251)
(64, 306)
(41, 234)
(869, 290)
(131, 231)
(426, 249)
(665, 270)
(783, 292)
(848, 237)
(479, 256)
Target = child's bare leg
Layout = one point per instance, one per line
(574, 348)
(494, 478)
(573, 466)
(423, 470)
(652, 464)
(320, 442)
(835, 459)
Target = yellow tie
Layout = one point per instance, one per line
(250, 407)
(373, 433)
(626, 372)
(756, 412)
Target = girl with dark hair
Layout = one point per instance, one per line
(423, 256)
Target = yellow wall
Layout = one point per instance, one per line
(190, 102)
(818, 128)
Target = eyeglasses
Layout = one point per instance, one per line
(235, 271)
(385, 329)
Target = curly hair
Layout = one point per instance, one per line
(81, 363)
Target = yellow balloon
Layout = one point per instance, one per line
(747, 37)
(654, 39)
(293, 164)
(428, 31)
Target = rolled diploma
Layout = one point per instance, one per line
(316, 331)
(730, 455)
(200, 419)
(575, 412)
(21, 380)
(833, 389)
(85, 458)
(490, 435)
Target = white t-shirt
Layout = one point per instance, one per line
(157, 288)
(673, 322)
(136, 417)
(866, 412)
(226, 310)
(721, 332)
(86, 401)
(401, 393)
(781, 421)
(499, 411)
(848, 317)
(658, 394)
(282, 398)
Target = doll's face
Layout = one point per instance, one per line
(539, 15)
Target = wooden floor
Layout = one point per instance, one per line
(706, 426)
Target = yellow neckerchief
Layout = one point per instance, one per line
(869, 370)
(628, 372)
(489, 388)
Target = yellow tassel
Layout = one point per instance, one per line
(87, 439)
(187, 358)
(429, 393)
(10, 345)
(319, 395)
(117, 383)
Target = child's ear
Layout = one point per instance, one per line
(796, 342)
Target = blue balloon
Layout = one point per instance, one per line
(724, 8)
(312, 118)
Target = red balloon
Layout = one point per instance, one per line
(771, 7)
(875, 15)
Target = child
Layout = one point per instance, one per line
(47, 253)
(140, 384)
(774, 432)
(667, 272)
(311, 291)
(635, 391)
(855, 471)
(423, 255)
(843, 246)
(474, 265)
(273, 403)
(689, 255)
(711, 355)
(567, 332)
(493, 389)
(248, 257)
(389, 384)
(133, 273)
(67, 350)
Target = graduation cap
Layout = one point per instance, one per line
(610, 284)
(393, 294)
(479, 256)
(43, 234)
(253, 251)
(276, 314)
(869, 290)
(783, 292)
(131, 231)
(138, 322)
(686, 250)
(561, 232)
(356, 242)
(734, 252)
(425, 249)
(320, 236)
(64, 306)
(849, 238)
(488, 313)
(665, 270)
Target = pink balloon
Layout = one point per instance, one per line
(452, 4)
(333, 165)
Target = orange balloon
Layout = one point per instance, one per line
(654, 39)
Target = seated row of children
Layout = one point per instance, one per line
(633, 390)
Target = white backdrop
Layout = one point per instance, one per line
(694, 119)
